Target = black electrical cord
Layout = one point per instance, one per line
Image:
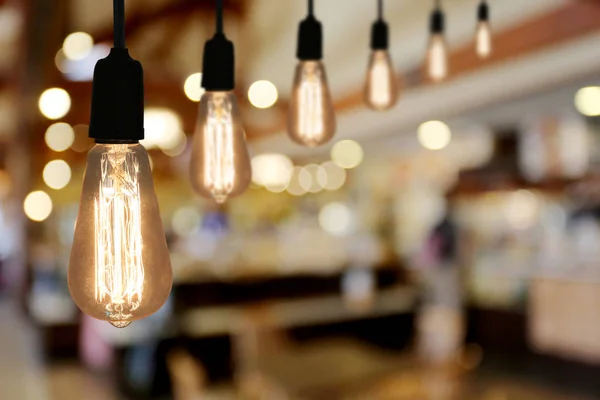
(219, 16)
(119, 23)
(438, 4)
(437, 21)
(380, 10)
(311, 7)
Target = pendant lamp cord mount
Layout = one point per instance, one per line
(119, 24)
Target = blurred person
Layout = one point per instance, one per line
(441, 322)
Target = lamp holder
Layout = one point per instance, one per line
(218, 69)
(379, 35)
(310, 39)
(437, 22)
(483, 12)
(117, 114)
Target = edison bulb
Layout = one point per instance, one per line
(220, 165)
(311, 119)
(437, 58)
(120, 269)
(483, 39)
(381, 91)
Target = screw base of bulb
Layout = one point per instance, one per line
(120, 324)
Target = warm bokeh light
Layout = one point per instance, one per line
(77, 45)
(295, 188)
(185, 221)
(273, 171)
(57, 174)
(337, 219)
(347, 154)
(177, 146)
(434, 135)
(262, 94)
(163, 129)
(37, 206)
(587, 101)
(193, 87)
(309, 178)
(81, 70)
(60, 136)
(334, 176)
(521, 209)
(55, 103)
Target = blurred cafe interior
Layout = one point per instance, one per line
(301, 199)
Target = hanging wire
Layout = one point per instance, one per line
(311, 7)
(219, 16)
(438, 4)
(380, 9)
(119, 23)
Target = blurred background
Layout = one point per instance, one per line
(446, 249)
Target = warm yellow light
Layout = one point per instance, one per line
(193, 87)
(347, 154)
(587, 101)
(57, 174)
(483, 39)
(177, 145)
(295, 188)
(273, 171)
(37, 206)
(55, 103)
(262, 94)
(59, 136)
(434, 135)
(437, 58)
(82, 141)
(337, 219)
(311, 178)
(334, 176)
(77, 46)
(162, 129)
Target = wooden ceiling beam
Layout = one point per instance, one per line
(175, 9)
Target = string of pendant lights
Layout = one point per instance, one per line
(119, 270)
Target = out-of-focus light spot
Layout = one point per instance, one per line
(347, 154)
(37, 206)
(162, 128)
(177, 146)
(185, 221)
(55, 103)
(193, 87)
(332, 176)
(337, 219)
(77, 45)
(81, 70)
(82, 141)
(295, 188)
(60, 136)
(309, 178)
(57, 174)
(5, 184)
(11, 23)
(587, 101)
(521, 209)
(262, 94)
(273, 171)
(434, 135)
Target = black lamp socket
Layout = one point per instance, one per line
(117, 114)
(218, 66)
(379, 35)
(310, 39)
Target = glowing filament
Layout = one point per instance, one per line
(437, 66)
(484, 39)
(219, 167)
(119, 267)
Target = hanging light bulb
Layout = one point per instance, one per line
(483, 33)
(382, 87)
(119, 269)
(220, 165)
(311, 118)
(437, 51)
